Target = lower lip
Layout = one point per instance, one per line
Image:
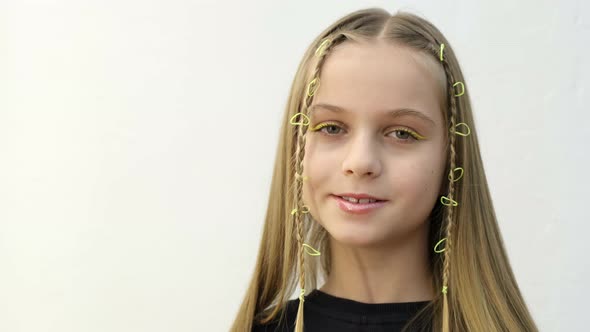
(357, 208)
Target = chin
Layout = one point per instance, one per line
(355, 237)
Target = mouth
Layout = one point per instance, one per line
(359, 199)
(362, 206)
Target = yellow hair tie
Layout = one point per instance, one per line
(304, 122)
(301, 295)
(325, 44)
(304, 209)
(300, 177)
(453, 173)
(444, 289)
(460, 133)
(313, 86)
(462, 89)
(437, 244)
(442, 47)
(448, 201)
(310, 250)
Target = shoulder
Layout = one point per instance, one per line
(288, 323)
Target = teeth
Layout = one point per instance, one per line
(367, 200)
(359, 201)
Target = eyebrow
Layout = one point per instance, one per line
(394, 112)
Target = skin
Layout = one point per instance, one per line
(380, 257)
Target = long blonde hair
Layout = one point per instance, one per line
(480, 291)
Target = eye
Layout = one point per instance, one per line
(328, 125)
(403, 134)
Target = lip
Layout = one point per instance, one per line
(357, 208)
(359, 196)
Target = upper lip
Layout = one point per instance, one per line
(360, 196)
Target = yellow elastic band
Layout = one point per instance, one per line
(299, 177)
(442, 47)
(325, 44)
(462, 89)
(448, 201)
(437, 244)
(304, 122)
(461, 133)
(444, 289)
(313, 86)
(304, 209)
(310, 250)
(302, 295)
(453, 173)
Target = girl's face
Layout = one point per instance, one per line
(384, 137)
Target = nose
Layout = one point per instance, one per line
(362, 157)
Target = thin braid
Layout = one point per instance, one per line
(450, 210)
(299, 155)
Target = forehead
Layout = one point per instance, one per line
(380, 76)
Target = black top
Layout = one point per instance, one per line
(325, 313)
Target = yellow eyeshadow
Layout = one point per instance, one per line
(322, 125)
(416, 135)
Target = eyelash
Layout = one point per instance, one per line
(412, 133)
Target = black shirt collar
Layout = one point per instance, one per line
(347, 306)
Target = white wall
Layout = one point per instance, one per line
(137, 140)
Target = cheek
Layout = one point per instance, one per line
(311, 195)
(418, 180)
(428, 180)
(316, 163)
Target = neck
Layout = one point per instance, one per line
(399, 273)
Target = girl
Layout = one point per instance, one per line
(379, 188)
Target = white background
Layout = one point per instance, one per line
(137, 140)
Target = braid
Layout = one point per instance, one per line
(312, 87)
(450, 219)
(452, 163)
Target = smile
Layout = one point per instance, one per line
(362, 206)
